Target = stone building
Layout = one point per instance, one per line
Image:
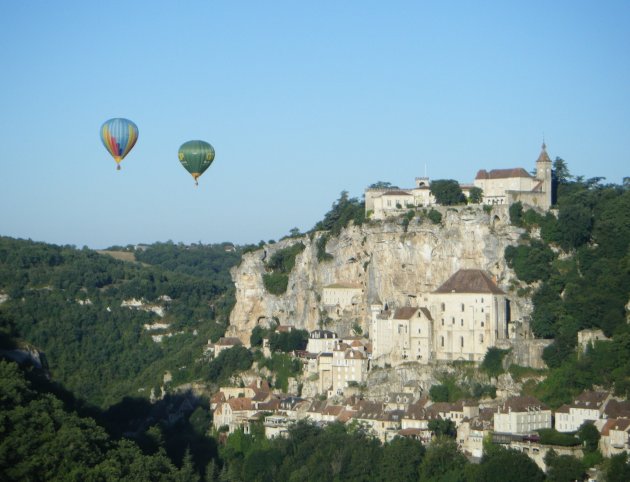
(401, 335)
(349, 366)
(615, 437)
(588, 406)
(341, 295)
(507, 186)
(465, 316)
(521, 415)
(470, 314)
(320, 341)
(499, 186)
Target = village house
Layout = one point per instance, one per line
(340, 296)
(521, 415)
(398, 401)
(615, 437)
(472, 431)
(233, 414)
(277, 426)
(224, 343)
(617, 409)
(378, 422)
(588, 406)
(349, 367)
(499, 187)
(401, 335)
(325, 372)
(320, 341)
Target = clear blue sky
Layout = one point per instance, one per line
(301, 100)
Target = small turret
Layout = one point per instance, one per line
(543, 174)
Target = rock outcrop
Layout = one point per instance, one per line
(392, 265)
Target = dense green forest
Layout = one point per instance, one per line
(67, 303)
(576, 267)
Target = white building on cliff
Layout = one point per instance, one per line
(464, 317)
(499, 186)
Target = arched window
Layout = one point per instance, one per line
(461, 341)
(442, 341)
(462, 307)
(443, 306)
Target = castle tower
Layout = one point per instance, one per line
(543, 174)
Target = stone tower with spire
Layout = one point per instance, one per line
(545, 177)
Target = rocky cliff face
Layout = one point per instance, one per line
(392, 266)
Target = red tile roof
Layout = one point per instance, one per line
(521, 404)
(622, 424)
(396, 193)
(470, 281)
(405, 313)
(503, 173)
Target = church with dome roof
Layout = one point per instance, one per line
(499, 187)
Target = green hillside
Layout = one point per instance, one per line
(67, 302)
(578, 274)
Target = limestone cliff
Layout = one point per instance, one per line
(391, 265)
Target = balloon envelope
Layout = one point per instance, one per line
(119, 136)
(196, 157)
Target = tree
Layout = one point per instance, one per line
(565, 468)
(401, 460)
(492, 362)
(382, 185)
(439, 393)
(589, 436)
(447, 192)
(617, 468)
(476, 195)
(443, 427)
(187, 472)
(435, 216)
(504, 465)
(344, 210)
(561, 171)
(442, 461)
(574, 226)
(516, 213)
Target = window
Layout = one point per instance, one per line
(461, 322)
(442, 321)
(482, 324)
(442, 341)
(461, 341)
(481, 339)
(443, 306)
(452, 320)
(462, 307)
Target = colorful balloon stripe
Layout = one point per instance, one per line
(119, 136)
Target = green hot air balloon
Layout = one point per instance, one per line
(196, 157)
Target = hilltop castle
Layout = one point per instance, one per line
(499, 186)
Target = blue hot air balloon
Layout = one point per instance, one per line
(119, 136)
